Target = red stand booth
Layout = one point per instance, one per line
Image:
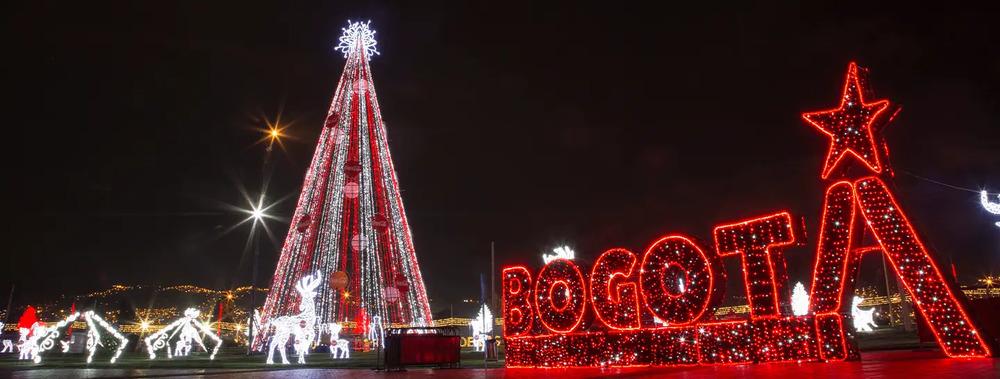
(422, 346)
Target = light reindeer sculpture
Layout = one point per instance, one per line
(302, 325)
(339, 348)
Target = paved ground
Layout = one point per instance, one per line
(893, 364)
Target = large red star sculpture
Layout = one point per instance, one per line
(850, 126)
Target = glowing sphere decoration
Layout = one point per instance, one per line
(338, 280)
(358, 242)
(303, 224)
(351, 190)
(391, 294)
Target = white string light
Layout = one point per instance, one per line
(339, 347)
(482, 325)
(357, 35)
(376, 331)
(862, 318)
(90, 316)
(800, 300)
(562, 252)
(48, 336)
(187, 327)
(993, 208)
(302, 325)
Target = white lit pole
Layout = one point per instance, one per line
(257, 213)
(257, 216)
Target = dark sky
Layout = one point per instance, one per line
(130, 123)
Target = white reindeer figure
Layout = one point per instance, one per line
(482, 325)
(862, 318)
(993, 208)
(339, 348)
(302, 325)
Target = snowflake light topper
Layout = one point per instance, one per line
(357, 35)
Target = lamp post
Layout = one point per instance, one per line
(257, 213)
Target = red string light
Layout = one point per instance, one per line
(613, 290)
(518, 314)
(560, 296)
(833, 275)
(757, 241)
(929, 289)
(850, 126)
(684, 297)
(680, 285)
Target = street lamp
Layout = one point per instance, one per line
(257, 214)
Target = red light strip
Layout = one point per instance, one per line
(850, 126)
(613, 290)
(565, 317)
(518, 314)
(786, 339)
(758, 242)
(833, 272)
(699, 280)
(914, 266)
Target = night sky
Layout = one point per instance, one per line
(131, 124)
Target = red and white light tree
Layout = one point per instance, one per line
(349, 217)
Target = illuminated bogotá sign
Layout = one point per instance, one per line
(656, 308)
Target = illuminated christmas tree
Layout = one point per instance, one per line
(349, 218)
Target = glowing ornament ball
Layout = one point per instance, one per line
(351, 190)
(402, 283)
(391, 294)
(303, 224)
(358, 242)
(338, 280)
(379, 221)
(352, 168)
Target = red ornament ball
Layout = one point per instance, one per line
(391, 294)
(351, 190)
(303, 224)
(358, 242)
(338, 280)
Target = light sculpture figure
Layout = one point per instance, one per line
(863, 318)
(302, 326)
(188, 329)
(46, 339)
(339, 348)
(481, 326)
(562, 252)
(800, 300)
